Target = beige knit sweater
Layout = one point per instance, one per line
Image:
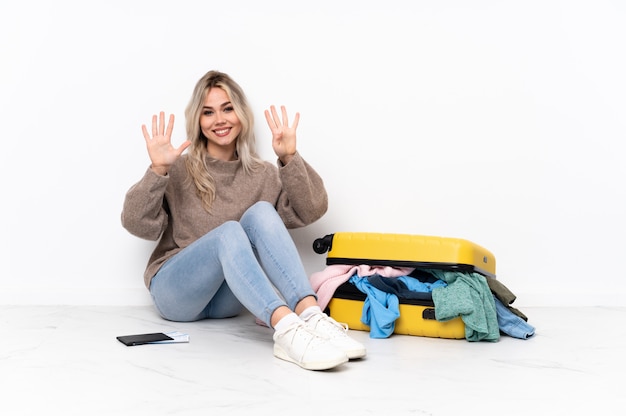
(168, 208)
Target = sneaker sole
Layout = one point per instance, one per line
(356, 354)
(318, 365)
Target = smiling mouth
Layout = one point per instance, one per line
(222, 132)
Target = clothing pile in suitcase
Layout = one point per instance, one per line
(415, 285)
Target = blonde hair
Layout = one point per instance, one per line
(197, 153)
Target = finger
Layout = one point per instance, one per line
(170, 126)
(161, 123)
(154, 126)
(275, 115)
(296, 119)
(285, 117)
(183, 146)
(269, 120)
(144, 130)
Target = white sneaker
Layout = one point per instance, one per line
(300, 345)
(337, 334)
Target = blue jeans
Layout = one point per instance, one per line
(234, 266)
(512, 324)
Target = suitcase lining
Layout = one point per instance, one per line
(464, 268)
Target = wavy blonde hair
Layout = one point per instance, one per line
(196, 163)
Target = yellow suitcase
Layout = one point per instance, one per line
(417, 317)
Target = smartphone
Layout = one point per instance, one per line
(141, 339)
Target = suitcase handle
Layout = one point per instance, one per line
(324, 244)
(429, 314)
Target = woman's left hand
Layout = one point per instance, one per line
(283, 136)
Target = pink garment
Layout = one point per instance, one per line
(328, 280)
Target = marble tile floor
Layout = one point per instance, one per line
(65, 360)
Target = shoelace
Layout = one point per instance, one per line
(314, 338)
(337, 326)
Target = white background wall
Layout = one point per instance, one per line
(499, 122)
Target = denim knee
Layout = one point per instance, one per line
(260, 210)
(263, 217)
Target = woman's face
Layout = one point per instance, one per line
(220, 125)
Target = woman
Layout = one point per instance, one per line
(221, 216)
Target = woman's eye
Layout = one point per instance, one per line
(228, 109)
(207, 113)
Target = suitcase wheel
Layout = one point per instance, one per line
(322, 245)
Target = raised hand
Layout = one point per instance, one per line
(159, 144)
(283, 136)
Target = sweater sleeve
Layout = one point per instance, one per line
(303, 199)
(144, 212)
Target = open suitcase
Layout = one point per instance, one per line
(417, 317)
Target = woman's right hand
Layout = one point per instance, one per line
(159, 144)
